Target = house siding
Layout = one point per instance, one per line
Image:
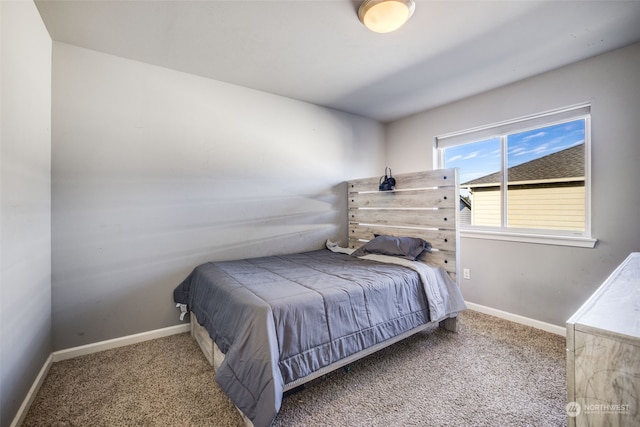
(551, 208)
(560, 208)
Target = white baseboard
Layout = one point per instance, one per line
(82, 350)
(33, 391)
(70, 353)
(554, 329)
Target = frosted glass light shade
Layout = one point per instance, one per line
(384, 16)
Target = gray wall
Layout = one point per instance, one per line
(25, 203)
(548, 283)
(155, 171)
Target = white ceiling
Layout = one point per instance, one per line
(317, 50)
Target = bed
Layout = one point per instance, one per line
(268, 325)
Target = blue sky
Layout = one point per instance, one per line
(482, 158)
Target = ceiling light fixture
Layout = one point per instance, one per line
(384, 16)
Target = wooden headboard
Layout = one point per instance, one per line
(423, 204)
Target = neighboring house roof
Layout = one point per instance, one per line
(568, 163)
(464, 203)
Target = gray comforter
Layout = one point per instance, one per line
(281, 318)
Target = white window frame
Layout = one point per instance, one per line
(553, 237)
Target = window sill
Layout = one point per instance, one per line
(543, 239)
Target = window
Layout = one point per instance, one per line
(526, 179)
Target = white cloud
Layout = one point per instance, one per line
(535, 135)
(472, 155)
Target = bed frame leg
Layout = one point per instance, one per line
(450, 324)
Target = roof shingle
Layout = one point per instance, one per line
(568, 163)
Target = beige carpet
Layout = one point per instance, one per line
(491, 373)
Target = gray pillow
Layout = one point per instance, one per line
(403, 247)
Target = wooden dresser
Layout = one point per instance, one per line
(603, 352)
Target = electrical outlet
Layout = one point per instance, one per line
(466, 273)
